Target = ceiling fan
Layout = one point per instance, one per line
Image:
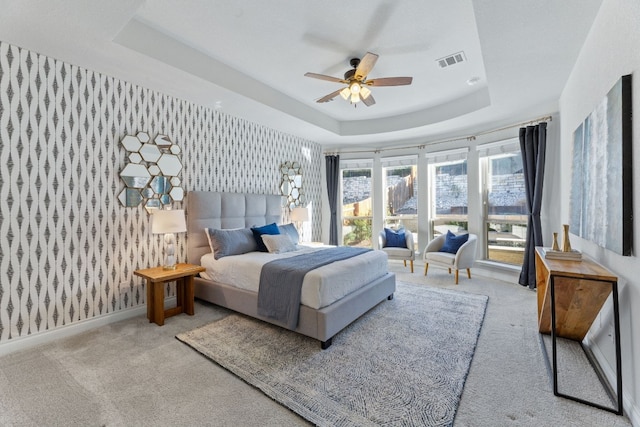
(356, 81)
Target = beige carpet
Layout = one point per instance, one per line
(405, 362)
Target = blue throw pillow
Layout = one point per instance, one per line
(290, 230)
(265, 229)
(452, 242)
(395, 239)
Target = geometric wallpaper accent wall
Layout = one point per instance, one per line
(68, 248)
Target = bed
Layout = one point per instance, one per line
(238, 210)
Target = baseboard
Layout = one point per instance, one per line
(495, 270)
(631, 410)
(30, 341)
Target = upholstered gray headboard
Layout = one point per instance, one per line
(226, 210)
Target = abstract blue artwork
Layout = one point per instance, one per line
(601, 185)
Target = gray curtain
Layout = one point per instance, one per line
(533, 141)
(333, 179)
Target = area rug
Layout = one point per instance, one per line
(404, 362)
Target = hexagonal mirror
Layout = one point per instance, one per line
(169, 164)
(130, 197)
(135, 176)
(160, 185)
(131, 143)
(291, 182)
(152, 171)
(150, 152)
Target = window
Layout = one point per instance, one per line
(400, 195)
(449, 194)
(357, 212)
(505, 202)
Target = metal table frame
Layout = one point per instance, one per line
(616, 314)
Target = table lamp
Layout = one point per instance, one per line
(299, 215)
(168, 222)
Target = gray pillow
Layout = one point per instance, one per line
(231, 242)
(278, 243)
(290, 230)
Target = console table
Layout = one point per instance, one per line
(570, 296)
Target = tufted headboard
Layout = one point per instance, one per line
(226, 210)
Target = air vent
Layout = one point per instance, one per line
(450, 60)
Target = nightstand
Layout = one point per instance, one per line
(156, 278)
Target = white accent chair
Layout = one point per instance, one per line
(463, 259)
(404, 254)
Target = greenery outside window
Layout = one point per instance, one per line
(357, 212)
(400, 195)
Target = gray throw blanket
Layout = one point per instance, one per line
(281, 282)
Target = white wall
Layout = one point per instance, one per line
(610, 51)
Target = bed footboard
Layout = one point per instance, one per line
(321, 324)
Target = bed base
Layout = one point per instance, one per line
(320, 324)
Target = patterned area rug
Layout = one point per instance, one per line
(402, 363)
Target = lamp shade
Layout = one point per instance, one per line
(300, 214)
(168, 221)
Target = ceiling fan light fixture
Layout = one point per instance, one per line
(365, 92)
(357, 85)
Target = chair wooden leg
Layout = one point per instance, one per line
(426, 267)
(411, 262)
(405, 262)
(449, 271)
(456, 277)
(469, 272)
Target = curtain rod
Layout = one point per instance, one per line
(468, 138)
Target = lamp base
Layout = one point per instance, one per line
(170, 251)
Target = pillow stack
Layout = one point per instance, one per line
(258, 232)
(271, 238)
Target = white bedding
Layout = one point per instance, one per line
(320, 288)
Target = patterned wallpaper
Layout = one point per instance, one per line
(68, 248)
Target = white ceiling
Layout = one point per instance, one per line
(248, 57)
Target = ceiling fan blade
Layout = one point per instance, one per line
(368, 101)
(390, 81)
(365, 66)
(323, 77)
(329, 97)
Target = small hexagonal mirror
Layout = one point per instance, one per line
(135, 176)
(169, 164)
(177, 193)
(147, 193)
(143, 136)
(150, 152)
(160, 185)
(152, 204)
(135, 158)
(162, 141)
(131, 143)
(130, 197)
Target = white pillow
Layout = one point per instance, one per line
(278, 243)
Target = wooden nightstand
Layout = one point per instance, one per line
(156, 278)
